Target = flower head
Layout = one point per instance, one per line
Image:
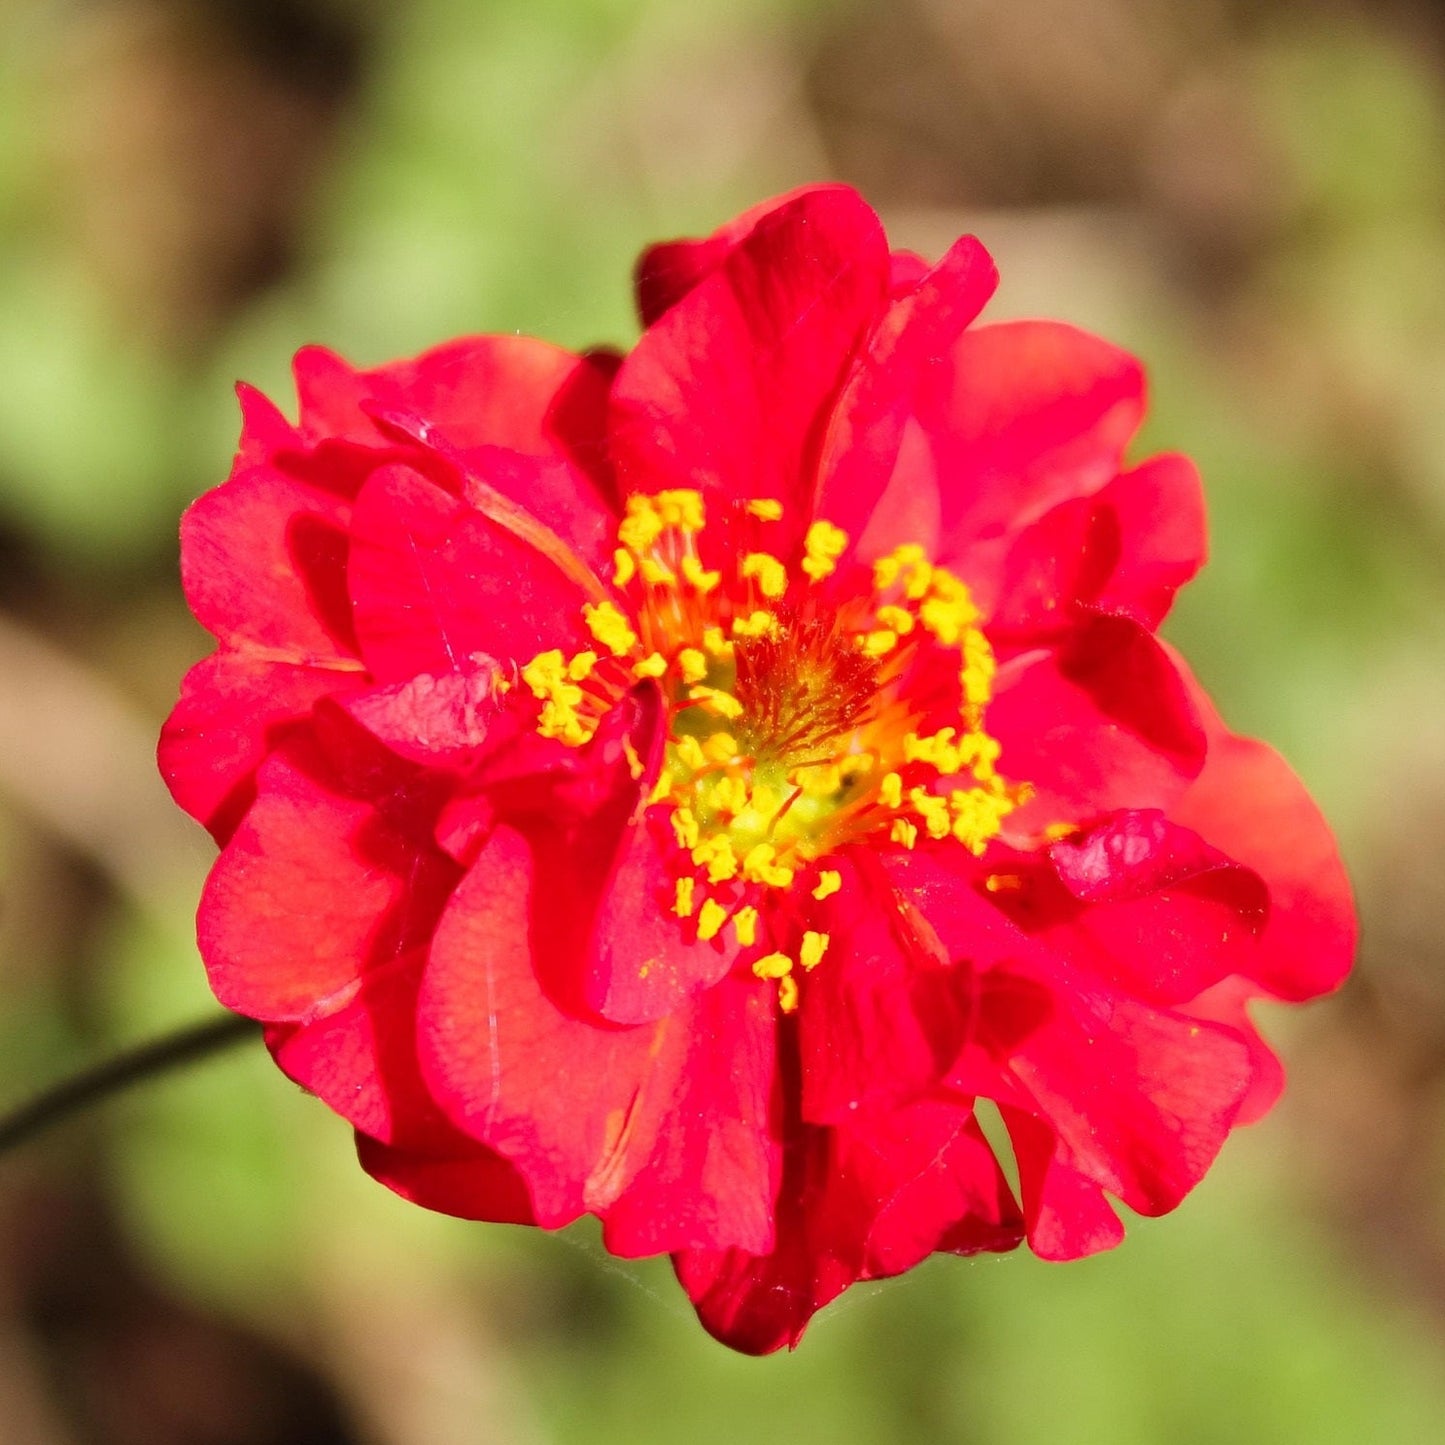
(676, 788)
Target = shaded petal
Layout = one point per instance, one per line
(587, 1111)
(727, 392)
(263, 563)
(360, 1058)
(857, 1203)
(914, 335)
(314, 888)
(1249, 803)
(1125, 550)
(1104, 721)
(1024, 415)
(667, 271)
(234, 709)
(436, 584)
(469, 1181)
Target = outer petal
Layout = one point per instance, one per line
(1025, 415)
(666, 272)
(469, 1181)
(1102, 722)
(505, 391)
(235, 709)
(360, 1058)
(588, 1112)
(913, 337)
(727, 392)
(1249, 803)
(1124, 1098)
(857, 1203)
(263, 562)
(314, 889)
(1124, 550)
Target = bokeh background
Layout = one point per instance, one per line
(1249, 193)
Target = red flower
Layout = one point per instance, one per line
(675, 789)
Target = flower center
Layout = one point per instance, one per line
(809, 708)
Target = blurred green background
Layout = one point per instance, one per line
(1249, 194)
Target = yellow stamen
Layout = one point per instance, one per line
(710, 919)
(692, 664)
(829, 882)
(624, 567)
(653, 665)
(683, 892)
(822, 546)
(745, 925)
(701, 579)
(773, 965)
(814, 946)
(607, 624)
(765, 509)
(771, 575)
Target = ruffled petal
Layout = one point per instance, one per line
(315, 888)
(728, 391)
(1025, 415)
(587, 1112)
(1249, 802)
(233, 711)
(436, 584)
(1102, 722)
(469, 1180)
(857, 1203)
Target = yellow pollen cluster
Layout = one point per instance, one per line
(796, 726)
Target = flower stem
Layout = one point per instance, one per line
(173, 1051)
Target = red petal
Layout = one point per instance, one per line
(585, 1111)
(360, 1059)
(1125, 550)
(470, 1181)
(1167, 917)
(881, 1018)
(1025, 415)
(1103, 722)
(505, 391)
(727, 391)
(263, 562)
(436, 585)
(312, 890)
(1226, 1003)
(1140, 1099)
(666, 272)
(233, 710)
(640, 961)
(1067, 1214)
(1249, 803)
(857, 1203)
(861, 448)
(429, 719)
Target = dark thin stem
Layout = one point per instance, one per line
(71, 1095)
